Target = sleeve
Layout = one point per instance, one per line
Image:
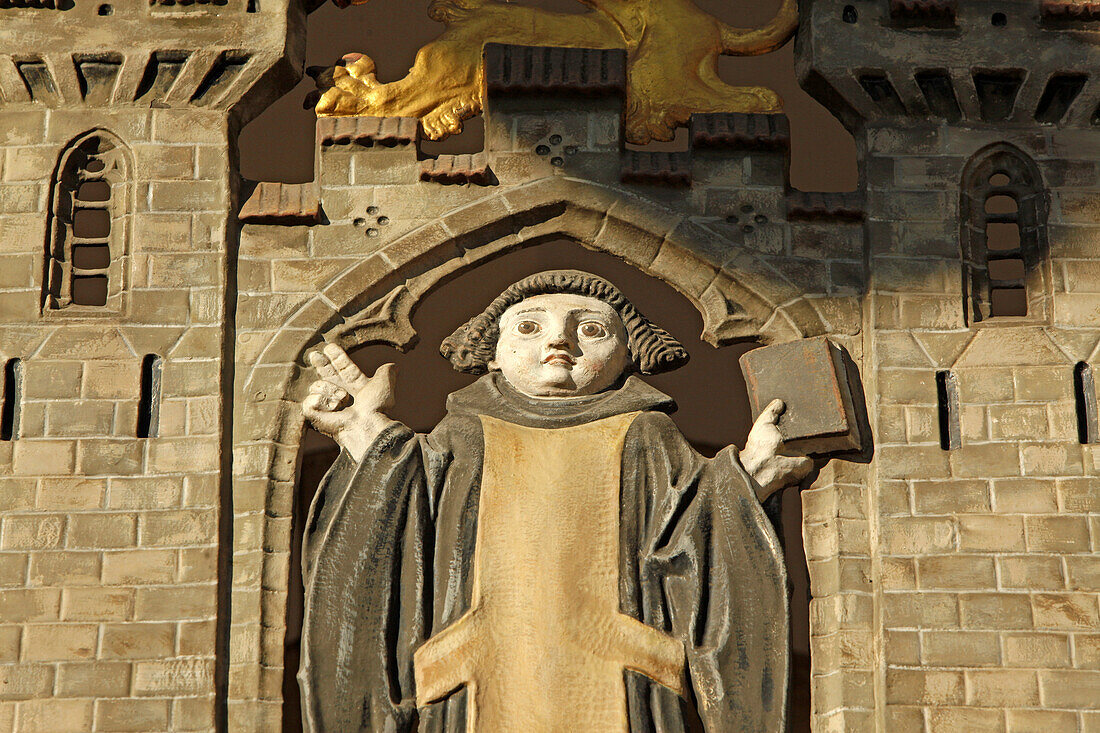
(367, 566)
(717, 567)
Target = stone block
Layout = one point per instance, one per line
(1002, 688)
(23, 681)
(93, 679)
(917, 536)
(142, 492)
(1036, 650)
(1025, 496)
(963, 572)
(924, 687)
(1074, 689)
(139, 567)
(1065, 611)
(101, 530)
(1058, 534)
(985, 460)
(184, 527)
(1031, 572)
(920, 610)
(954, 719)
(176, 603)
(64, 568)
(97, 604)
(991, 533)
(995, 611)
(131, 716)
(44, 457)
(960, 649)
(1041, 721)
(61, 494)
(950, 497)
(13, 569)
(197, 638)
(174, 678)
(32, 532)
(137, 640)
(1051, 459)
(200, 565)
(59, 642)
(1084, 573)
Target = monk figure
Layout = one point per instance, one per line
(554, 557)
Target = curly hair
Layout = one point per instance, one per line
(652, 349)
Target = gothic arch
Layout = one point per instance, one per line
(1003, 216)
(88, 238)
(738, 295)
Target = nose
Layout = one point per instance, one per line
(561, 341)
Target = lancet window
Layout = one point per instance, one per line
(1003, 214)
(88, 244)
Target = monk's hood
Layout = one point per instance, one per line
(492, 395)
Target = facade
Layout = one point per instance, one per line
(156, 311)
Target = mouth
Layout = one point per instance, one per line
(560, 359)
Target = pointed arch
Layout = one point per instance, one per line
(89, 229)
(1003, 213)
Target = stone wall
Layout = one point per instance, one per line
(986, 576)
(109, 542)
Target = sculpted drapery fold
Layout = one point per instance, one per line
(391, 560)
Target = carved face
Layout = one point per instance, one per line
(561, 345)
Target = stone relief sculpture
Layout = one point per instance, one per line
(554, 555)
(672, 49)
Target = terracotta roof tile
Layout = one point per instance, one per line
(282, 203)
(833, 206)
(525, 69)
(467, 168)
(1071, 9)
(740, 130)
(367, 130)
(670, 169)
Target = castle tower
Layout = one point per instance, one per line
(118, 242)
(976, 124)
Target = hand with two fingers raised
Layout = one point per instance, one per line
(347, 405)
(762, 457)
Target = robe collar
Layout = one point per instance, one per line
(492, 395)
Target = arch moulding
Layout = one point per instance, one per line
(738, 295)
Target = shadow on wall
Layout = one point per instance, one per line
(710, 391)
(823, 155)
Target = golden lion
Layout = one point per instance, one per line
(672, 49)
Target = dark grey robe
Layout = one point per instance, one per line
(389, 552)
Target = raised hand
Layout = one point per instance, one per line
(762, 459)
(346, 404)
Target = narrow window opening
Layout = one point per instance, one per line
(148, 425)
(1088, 431)
(1000, 20)
(947, 399)
(89, 290)
(13, 397)
(850, 15)
(92, 223)
(882, 92)
(997, 92)
(939, 93)
(94, 191)
(1001, 204)
(1002, 236)
(253, 6)
(91, 256)
(1007, 301)
(1060, 93)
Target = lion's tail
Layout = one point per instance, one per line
(754, 41)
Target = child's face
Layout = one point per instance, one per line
(561, 345)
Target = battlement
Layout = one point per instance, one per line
(143, 54)
(870, 60)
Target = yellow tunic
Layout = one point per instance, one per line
(544, 646)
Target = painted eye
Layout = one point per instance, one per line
(592, 330)
(527, 328)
